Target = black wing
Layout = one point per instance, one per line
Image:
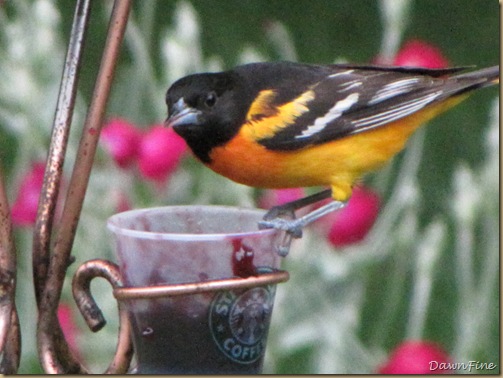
(353, 99)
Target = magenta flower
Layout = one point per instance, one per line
(122, 140)
(275, 197)
(160, 152)
(24, 208)
(352, 223)
(417, 357)
(68, 326)
(417, 53)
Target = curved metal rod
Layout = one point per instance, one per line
(262, 279)
(12, 351)
(49, 347)
(9, 326)
(93, 315)
(54, 167)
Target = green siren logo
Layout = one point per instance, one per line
(239, 321)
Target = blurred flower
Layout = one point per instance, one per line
(417, 357)
(417, 53)
(157, 151)
(24, 208)
(121, 139)
(277, 197)
(352, 223)
(160, 152)
(121, 200)
(68, 326)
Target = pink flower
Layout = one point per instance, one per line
(417, 357)
(156, 151)
(121, 200)
(277, 197)
(352, 223)
(24, 208)
(160, 152)
(121, 139)
(68, 326)
(417, 53)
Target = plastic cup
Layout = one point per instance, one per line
(211, 332)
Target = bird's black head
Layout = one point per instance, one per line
(205, 110)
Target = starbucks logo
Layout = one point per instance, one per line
(239, 321)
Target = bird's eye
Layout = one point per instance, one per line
(211, 99)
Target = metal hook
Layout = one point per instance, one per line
(93, 315)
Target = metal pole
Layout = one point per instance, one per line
(54, 169)
(50, 348)
(10, 337)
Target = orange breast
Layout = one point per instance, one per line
(337, 164)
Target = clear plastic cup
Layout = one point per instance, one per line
(211, 332)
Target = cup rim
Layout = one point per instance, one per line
(153, 235)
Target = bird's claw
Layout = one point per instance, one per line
(291, 226)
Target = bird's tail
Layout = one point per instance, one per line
(481, 78)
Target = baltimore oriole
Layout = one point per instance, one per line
(283, 124)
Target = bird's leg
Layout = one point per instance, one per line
(289, 208)
(291, 225)
(294, 226)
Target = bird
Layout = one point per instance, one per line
(286, 124)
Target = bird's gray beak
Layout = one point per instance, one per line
(182, 114)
